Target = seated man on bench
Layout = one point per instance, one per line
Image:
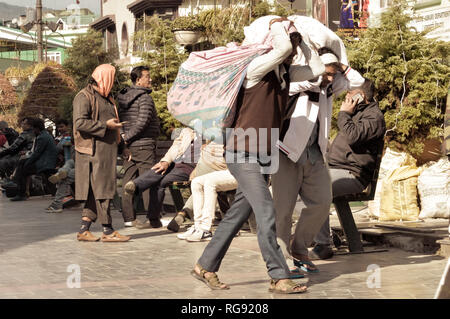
(211, 160)
(178, 163)
(352, 155)
(41, 160)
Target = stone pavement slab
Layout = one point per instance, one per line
(41, 258)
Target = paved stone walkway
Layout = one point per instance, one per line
(40, 258)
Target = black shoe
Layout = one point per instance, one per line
(323, 251)
(337, 241)
(156, 223)
(175, 223)
(18, 198)
(152, 223)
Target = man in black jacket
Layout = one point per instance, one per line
(42, 158)
(139, 132)
(353, 153)
(9, 157)
(9, 132)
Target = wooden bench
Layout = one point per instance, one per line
(344, 212)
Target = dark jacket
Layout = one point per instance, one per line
(22, 143)
(137, 108)
(44, 153)
(358, 142)
(10, 135)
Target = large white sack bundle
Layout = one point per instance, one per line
(318, 35)
(258, 30)
(434, 188)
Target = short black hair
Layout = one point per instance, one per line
(62, 121)
(368, 88)
(324, 50)
(38, 123)
(136, 73)
(295, 36)
(28, 119)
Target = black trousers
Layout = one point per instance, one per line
(142, 160)
(23, 170)
(7, 164)
(157, 184)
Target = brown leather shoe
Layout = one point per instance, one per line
(115, 237)
(87, 236)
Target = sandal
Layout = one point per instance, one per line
(295, 273)
(212, 282)
(306, 266)
(289, 287)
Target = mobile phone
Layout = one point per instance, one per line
(358, 98)
(124, 122)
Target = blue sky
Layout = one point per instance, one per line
(94, 5)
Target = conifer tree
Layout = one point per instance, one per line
(411, 74)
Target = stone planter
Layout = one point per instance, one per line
(185, 37)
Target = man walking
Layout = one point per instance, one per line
(261, 105)
(302, 144)
(139, 132)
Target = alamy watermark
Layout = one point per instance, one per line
(374, 279)
(74, 279)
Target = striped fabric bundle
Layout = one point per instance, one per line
(204, 93)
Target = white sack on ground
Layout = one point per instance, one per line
(390, 161)
(434, 189)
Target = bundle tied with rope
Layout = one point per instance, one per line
(205, 90)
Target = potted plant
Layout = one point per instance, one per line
(187, 29)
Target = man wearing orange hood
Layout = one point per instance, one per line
(96, 134)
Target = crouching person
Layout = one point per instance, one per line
(63, 179)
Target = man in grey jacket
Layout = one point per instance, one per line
(139, 132)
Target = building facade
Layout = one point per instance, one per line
(120, 19)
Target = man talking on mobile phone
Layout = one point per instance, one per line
(352, 155)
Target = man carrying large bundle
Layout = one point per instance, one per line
(260, 107)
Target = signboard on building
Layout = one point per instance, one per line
(436, 19)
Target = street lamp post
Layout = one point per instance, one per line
(40, 51)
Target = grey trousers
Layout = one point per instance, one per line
(342, 182)
(252, 193)
(312, 183)
(63, 188)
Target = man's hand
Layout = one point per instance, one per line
(126, 154)
(348, 105)
(113, 124)
(161, 167)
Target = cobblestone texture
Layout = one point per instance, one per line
(37, 248)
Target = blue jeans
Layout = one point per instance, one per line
(252, 194)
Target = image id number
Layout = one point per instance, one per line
(246, 308)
